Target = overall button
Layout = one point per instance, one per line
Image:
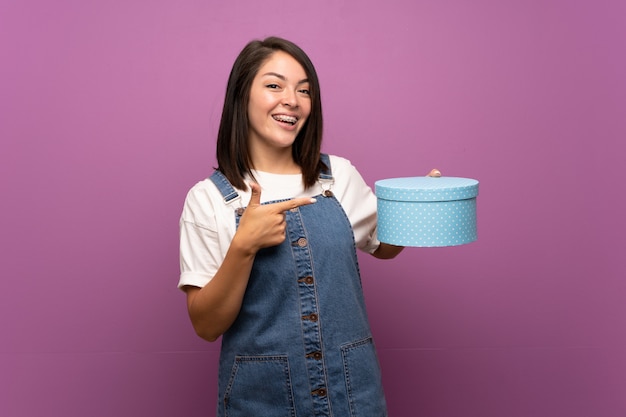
(312, 317)
(315, 355)
(301, 242)
(319, 392)
(240, 211)
(328, 193)
(307, 280)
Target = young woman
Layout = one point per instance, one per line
(267, 250)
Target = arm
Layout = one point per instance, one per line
(214, 307)
(387, 251)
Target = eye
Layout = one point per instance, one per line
(272, 86)
(305, 91)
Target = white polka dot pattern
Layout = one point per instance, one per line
(427, 212)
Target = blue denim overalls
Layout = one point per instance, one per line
(301, 345)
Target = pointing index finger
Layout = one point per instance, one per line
(294, 203)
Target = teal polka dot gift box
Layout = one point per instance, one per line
(427, 211)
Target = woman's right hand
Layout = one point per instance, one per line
(264, 225)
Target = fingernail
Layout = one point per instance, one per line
(313, 200)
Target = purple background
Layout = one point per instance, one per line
(108, 113)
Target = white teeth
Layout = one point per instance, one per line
(286, 119)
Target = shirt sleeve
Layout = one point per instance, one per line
(201, 250)
(358, 201)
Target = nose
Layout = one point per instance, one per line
(290, 98)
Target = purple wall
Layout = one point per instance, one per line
(108, 112)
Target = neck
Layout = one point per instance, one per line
(280, 162)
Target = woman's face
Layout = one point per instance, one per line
(279, 103)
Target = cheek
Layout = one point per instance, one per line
(256, 109)
(259, 101)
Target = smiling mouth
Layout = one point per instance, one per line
(285, 119)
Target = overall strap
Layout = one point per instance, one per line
(327, 173)
(224, 186)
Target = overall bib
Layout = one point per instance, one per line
(301, 345)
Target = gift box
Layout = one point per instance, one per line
(427, 211)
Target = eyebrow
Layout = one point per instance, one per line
(282, 77)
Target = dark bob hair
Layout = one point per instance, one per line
(233, 155)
